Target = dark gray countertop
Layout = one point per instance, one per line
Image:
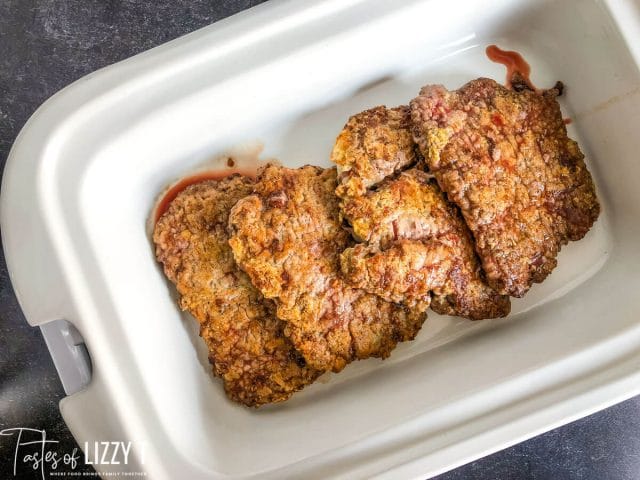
(47, 44)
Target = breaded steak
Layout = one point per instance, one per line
(247, 347)
(415, 247)
(288, 238)
(373, 145)
(504, 158)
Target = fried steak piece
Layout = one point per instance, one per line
(247, 347)
(504, 158)
(415, 247)
(288, 238)
(418, 248)
(372, 146)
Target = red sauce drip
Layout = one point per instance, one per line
(514, 63)
(163, 205)
(567, 121)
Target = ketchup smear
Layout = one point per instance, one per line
(172, 193)
(514, 63)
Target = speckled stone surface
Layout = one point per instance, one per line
(47, 44)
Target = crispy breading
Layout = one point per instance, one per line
(247, 347)
(406, 272)
(373, 145)
(415, 245)
(288, 238)
(505, 159)
(417, 248)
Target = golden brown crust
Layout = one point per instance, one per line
(505, 159)
(402, 221)
(406, 272)
(287, 237)
(247, 347)
(373, 145)
(418, 248)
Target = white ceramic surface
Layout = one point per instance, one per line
(83, 175)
